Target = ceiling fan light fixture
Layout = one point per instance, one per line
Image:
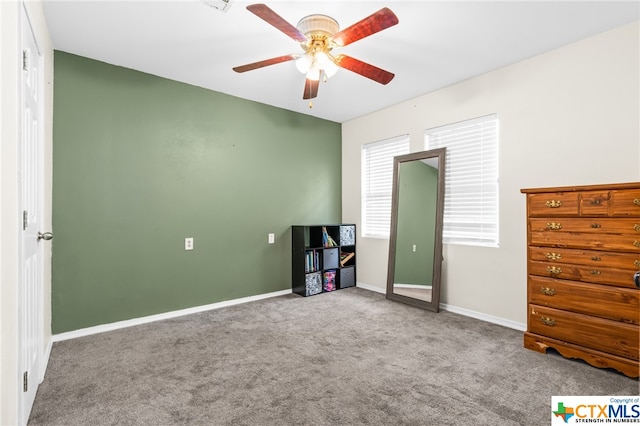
(303, 63)
(322, 59)
(314, 72)
(330, 70)
(326, 64)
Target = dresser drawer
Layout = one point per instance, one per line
(553, 204)
(625, 243)
(615, 303)
(593, 258)
(584, 330)
(626, 202)
(566, 271)
(588, 225)
(594, 203)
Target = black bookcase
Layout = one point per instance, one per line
(323, 258)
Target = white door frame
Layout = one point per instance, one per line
(31, 199)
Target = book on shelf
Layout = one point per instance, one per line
(327, 240)
(312, 261)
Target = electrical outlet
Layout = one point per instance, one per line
(272, 238)
(414, 248)
(188, 243)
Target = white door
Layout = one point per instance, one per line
(30, 182)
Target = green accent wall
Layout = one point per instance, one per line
(417, 194)
(141, 162)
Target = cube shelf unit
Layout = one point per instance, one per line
(323, 258)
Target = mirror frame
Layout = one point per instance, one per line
(434, 304)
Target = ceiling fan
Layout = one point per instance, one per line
(318, 35)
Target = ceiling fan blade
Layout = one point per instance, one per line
(364, 69)
(310, 89)
(267, 14)
(381, 20)
(266, 62)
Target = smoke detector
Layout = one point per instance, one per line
(221, 5)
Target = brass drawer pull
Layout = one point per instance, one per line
(594, 272)
(636, 201)
(637, 263)
(548, 321)
(553, 256)
(636, 227)
(554, 226)
(596, 258)
(554, 204)
(596, 225)
(554, 270)
(596, 202)
(548, 291)
(636, 243)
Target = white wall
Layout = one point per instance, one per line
(9, 216)
(569, 116)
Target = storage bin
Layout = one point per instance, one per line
(347, 235)
(313, 284)
(347, 277)
(331, 258)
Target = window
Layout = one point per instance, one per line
(377, 183)
(471, 179)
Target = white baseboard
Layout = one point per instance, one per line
(173, 314)
(371, 287)
(159, 317)
(484, 317)
(462, 311)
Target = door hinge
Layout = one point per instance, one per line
(25, 381)
(25, 60)
(25, 220)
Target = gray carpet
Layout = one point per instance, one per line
(350, 357)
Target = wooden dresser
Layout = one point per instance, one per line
(583, 251)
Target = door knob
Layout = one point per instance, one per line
(45, 236)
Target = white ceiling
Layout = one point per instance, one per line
(435, 44)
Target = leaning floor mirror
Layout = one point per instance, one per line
(415, 241)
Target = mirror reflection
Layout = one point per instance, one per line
(415, 245)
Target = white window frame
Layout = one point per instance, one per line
(471, 212)
(377, 184)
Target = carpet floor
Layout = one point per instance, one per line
(349, 357)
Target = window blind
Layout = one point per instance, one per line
(377, 183)
(471, 179)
